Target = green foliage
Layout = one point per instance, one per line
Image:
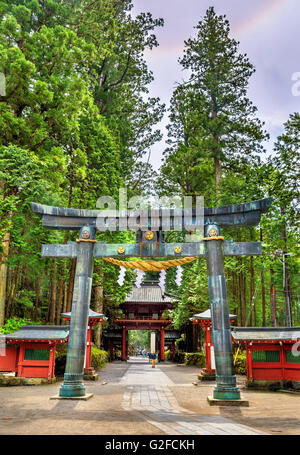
(195, 359)
(179, 343)
(179, 357)
(98, 358)
(75, 124)
(168, 355)
(117, 355)
(188, 358)
(139, 339)
(240, 366)
(14, 324)
(60, 358)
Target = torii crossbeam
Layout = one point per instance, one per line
(212, 246)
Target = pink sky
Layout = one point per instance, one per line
(268, 31)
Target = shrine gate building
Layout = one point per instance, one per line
(143, 310)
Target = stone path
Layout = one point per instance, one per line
(148, 394)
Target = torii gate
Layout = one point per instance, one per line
(151, 244)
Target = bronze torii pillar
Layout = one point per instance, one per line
(151, 244)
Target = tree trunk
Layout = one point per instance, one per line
(263, 291)
(59, 301)
(12, 292)
(240, 287)
(53, 294)
(286, 290)
(37, 298)
(65, 301)
(217, 161)
(71, 285)
(235, 294)
(218, 170)
(252, 290)
(3, 275)
(245, 297)
(65, 297)
(272, 298)
(98, 290)
(263, 297)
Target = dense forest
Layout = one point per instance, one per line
(77, 122)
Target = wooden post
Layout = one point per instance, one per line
(124, 343)
(162, 344)
(88, 349)
(249, 362)
(21, 357)
(153, 347)
(51, 370)
(207, 349)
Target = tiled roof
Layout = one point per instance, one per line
(40, 332)
(148, 294)
(92, 314)
(207, 315)
(265, 333)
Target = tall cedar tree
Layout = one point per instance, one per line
(75, 108)
(213, 122)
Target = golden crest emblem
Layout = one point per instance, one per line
(213, 233)
(85, 234)
(149, 235)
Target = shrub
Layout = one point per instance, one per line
(179, 357)
(179, 344)
(188, 358)
(240, 363)
(195, 358)
(168, 355)
(60, 358)
(99, 358)
(117, 354)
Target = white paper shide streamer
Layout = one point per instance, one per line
(121, 276)
(178, 278)
(139, 278)
(162, 280)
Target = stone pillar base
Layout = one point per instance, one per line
(215, 402)
(84, 397)
(90, 375)
(207, 375)
(69, 390)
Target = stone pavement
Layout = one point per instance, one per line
(148, 393)
(132, 398)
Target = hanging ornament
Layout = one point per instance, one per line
(162, 280)
(121, 276)
(178, 276)
(139, 277)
